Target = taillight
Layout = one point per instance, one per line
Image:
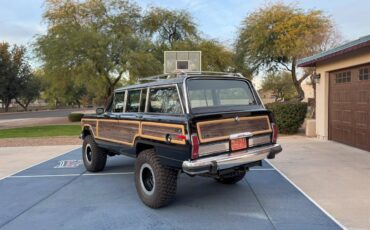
(274, 132)
(180, 137)
(195, 146)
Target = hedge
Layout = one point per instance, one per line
(74, 117)
(289, 116)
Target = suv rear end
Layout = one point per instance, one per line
(229, 128)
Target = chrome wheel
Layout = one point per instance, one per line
(147, 179)
(88, 153)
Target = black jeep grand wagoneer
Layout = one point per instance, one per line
(206, 124)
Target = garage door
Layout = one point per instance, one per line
(349, 107)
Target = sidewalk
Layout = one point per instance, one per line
(336, 176)
(14, 159)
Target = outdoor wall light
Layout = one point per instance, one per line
(316, 78)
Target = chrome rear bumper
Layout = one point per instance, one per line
(227, 160)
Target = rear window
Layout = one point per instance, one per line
(207, 93)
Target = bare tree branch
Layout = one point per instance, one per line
(286, 66)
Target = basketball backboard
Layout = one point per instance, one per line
(182, 61)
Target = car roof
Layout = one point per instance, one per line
(175, 78)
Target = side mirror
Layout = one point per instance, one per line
(99, 111)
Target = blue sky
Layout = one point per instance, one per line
(21, 20)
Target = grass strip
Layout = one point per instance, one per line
(41, 131)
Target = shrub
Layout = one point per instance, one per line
(289, 116)
(74, 117)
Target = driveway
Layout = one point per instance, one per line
(60, 194)
(336, 176)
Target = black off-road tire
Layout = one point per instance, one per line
(158, 190)
(231, 178)
(93, 156)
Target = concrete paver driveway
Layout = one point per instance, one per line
(336, 176)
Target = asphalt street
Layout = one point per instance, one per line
(37, 114)
(60, 194)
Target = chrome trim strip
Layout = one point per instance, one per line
(206, 149)
(147, 99)
(185, 92)
(140, 98)
(125, 103)
(180, 98)
(259, 140)
(240, 135)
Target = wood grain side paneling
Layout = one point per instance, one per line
(158, 131)
(125, 131)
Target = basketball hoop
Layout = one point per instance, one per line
(182, 61)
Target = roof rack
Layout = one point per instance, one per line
(188, 73)
(158, 77)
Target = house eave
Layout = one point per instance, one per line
(335, 52)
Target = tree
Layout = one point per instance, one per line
(15, 74)
(94, 36)
(176, 30)
(280, 84)
(60, 89)
(29, 90)
(275, 37)
(215, 57)
(169, 26)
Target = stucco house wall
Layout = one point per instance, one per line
(323, 68)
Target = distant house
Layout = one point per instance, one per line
(308, 90)
(268, 96)
(343, 92)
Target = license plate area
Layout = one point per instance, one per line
(239, 141)
(238, 144)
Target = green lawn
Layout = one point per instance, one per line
(41, 131)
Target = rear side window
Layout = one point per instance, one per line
(118, 102)
(133, 99)
(164, 100)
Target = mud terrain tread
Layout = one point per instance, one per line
(99, 158)
(165, 180)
